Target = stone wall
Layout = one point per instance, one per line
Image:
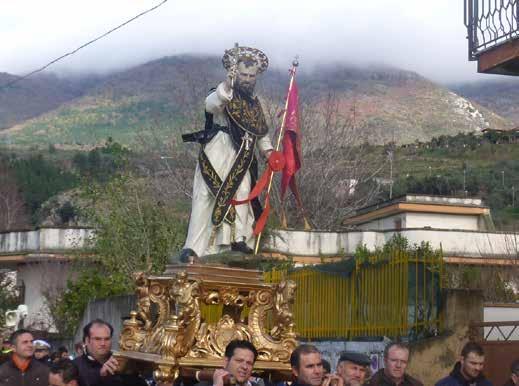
(432, 359)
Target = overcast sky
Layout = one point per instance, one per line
(424, 36)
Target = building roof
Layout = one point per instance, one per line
(418, 203)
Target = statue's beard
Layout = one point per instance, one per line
(245, 88)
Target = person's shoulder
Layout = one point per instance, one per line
(447, 381)
(375, 378)
(4, 366)
(38, 366)
(414, 381)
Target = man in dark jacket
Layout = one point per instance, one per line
(469, 370)
(352, 367)
(97, 367)
(514, 376)
(238, 362)
(396, 358)
(307, 368)
(22, 369)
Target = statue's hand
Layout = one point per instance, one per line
(231, 76)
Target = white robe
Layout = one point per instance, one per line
(221, 153)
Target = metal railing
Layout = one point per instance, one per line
(490, 23)
(399, 297)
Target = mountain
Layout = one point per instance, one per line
(36, 95)
(501, 96)
(166, 96)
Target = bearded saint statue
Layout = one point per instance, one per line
(227, 167)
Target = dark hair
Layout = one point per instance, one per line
(326, 365)
(54, 356)
(389, 346)
(86, 329)
(472, 347)
(244, 344)
(302, 349)
(514, 368)
(16, 334)
(67, 369)
(62, 349)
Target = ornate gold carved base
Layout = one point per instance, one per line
(177, 335)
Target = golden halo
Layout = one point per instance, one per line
(246, 53)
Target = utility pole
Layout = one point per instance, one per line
(503, 177)
(513, 196)
(390, 157)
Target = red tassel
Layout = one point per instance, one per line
(258, 188)
(262, 221)
(276, 163)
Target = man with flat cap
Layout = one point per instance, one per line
(227, 166)
(396, 358)
(352, 367)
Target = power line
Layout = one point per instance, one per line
(9, 84)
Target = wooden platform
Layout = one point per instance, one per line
(219, 273)
(502, 59)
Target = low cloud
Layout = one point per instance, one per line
(425, 37)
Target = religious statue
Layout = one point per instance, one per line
(227, 166)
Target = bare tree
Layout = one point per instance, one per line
(339, 168)
(12, 207)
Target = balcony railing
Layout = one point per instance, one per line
(490, 23)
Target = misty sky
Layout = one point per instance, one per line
(424, 36)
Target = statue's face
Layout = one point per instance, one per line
(246, 77)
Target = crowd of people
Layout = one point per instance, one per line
(27, 362)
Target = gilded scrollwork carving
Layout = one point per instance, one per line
(186, 295)
(132, 334)
(168, 321)
(142, 291)
(283, 316)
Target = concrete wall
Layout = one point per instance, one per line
(453, 242)
(44, 240)
(112, 310)
(437, 220)
(422, 220)
(432, 359)
(40, 278)
(297, 243)
(390, 222)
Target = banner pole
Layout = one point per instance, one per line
(295, 63)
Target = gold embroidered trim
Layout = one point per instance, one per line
(214, 182)
(247, 116)
(232, 181)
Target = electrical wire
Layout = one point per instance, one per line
(9, 84)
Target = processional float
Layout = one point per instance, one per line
(167, 334)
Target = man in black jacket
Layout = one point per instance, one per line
(22, 369)
(396, 358)
(469, 370)
(97, 367)
(308, 370)
(239, 359)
